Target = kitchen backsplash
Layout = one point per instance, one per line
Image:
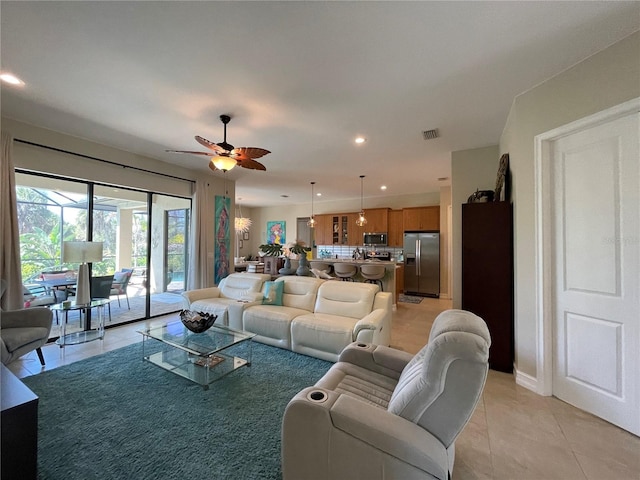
(346, 251)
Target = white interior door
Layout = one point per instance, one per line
(596, 294)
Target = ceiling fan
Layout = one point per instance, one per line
(226, 156)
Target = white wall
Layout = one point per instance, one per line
(606, 79)
(471, 170)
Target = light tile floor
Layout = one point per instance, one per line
(513, 435)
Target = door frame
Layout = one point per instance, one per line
(543, 240)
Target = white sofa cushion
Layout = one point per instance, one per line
(271, 324)
(216, 306)
(238, 285)
(356, 301)
(231, 289)
(360, 383)
(319, 332)
(300, 292)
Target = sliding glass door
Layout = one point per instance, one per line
(169, 261)
(120, 221)
(145, 238)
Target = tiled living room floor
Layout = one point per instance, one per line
(513, 435)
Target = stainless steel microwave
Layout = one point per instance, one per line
(377, 239)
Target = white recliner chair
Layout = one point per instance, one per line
(380, 413)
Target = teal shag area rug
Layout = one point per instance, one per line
(114, 416)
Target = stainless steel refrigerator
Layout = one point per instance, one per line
(422, 263)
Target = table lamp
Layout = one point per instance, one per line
(82, 253)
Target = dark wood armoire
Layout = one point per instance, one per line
(487, 274)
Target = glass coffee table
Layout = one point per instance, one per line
(200, 357)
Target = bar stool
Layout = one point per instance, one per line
(373, 273)
(345, 271)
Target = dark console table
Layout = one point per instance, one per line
(19, 428)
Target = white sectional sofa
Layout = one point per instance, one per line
(317, 317)
(231, 290)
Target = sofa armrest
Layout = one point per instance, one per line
(391, 434)
(193, 295)
(29, 317)
(376, 358)
(236, 310)
(372, 321)
(308, 428)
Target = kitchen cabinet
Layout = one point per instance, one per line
(395, 228)
(421, 218)
(377, 220)
(356, 232)
(323, 229)
(487, 274)
(340, 229)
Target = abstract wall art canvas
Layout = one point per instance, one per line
(276, 232)
(222, 238)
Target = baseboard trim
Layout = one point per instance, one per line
(527, 381)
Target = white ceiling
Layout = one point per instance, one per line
(301, 79)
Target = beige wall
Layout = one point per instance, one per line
(37, 159)
(606, 79)
(445, 237)
(471, 170)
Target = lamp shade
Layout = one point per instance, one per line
(81, 252)
(224, 163)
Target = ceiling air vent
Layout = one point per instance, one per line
(430, 134)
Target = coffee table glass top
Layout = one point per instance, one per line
(200, 357)
(204, 344)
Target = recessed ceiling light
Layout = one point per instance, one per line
(360, 140)
(10, 78)
(318, 194)
(383, 187)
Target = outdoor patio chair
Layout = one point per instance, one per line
(101, 289)
(119, 286)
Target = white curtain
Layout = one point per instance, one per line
(201, 272)
(10, 256)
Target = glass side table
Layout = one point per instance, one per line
(87, 335)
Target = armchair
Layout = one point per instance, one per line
(380, 413)
(22, 331)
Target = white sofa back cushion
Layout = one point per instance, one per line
(445, 375)
(300, 292)
(355, 301)
(238, 285)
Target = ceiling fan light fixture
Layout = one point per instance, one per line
(361, 221)
(223, 163)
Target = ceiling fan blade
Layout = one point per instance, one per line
(252, 164)
(207, 154)
(209, 144)
(242, 153)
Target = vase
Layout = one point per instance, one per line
(286, 269)
(303, 267)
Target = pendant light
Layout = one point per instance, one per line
(361, 221)
(241, 223)
(312, 221)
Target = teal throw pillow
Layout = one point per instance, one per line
(273, 293)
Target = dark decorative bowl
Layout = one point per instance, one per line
(197, 322)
